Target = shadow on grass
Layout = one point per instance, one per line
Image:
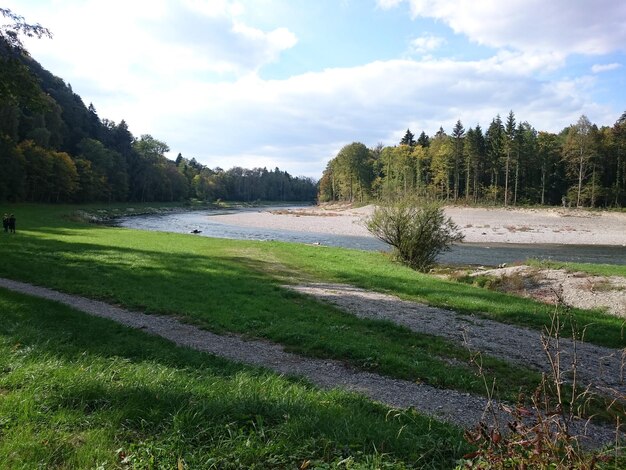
(224, 292)
(369, 271)
(148, 395)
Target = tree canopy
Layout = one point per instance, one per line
(510, 163)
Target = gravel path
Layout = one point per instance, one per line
(600, 366)
(462, 409)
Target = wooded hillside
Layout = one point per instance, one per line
(53, 148)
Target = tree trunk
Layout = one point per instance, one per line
(351, 189)
(467, 181)
(475, 190)
(516, 181)
(418, 176)
(543, 184)
(580, 178)
(506, 178)
(593, 187)
(617, 186)
(495, 191)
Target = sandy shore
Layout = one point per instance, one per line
(498, 225)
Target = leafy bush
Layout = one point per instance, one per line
(418, 233)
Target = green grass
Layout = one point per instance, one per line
(227, 285)
(224, 285)
(596, 269)
(81, 392)
(83, 387)
(375, 271)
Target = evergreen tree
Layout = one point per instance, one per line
(474, 155)
(408, 139)
(94, 125)
(458, 134)
(509, 131)
(494, 140)
(423, 140)
(619, 139)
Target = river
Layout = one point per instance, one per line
(486, 254)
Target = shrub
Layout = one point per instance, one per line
(418, 233)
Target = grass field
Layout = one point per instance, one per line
(223, 286)
(81, 392)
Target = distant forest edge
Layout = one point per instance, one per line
(55, 149)
(509, 164)
(59, 150)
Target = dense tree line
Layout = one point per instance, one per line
(509, 163)
(241, 184)
(53, 148)
(64, 152)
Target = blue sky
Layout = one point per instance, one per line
(287, 83)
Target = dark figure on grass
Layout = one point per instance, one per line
(12, 223)
(5, 222)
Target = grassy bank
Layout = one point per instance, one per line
(82, 392)
(596, 269)
(227, 285)
(235, 286)
(375, 271)
(75, 389)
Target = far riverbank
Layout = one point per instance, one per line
(494, 236)
(479, 225)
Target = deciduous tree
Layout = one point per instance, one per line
(578, 152)
(17, 84)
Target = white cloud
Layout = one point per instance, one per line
(426, 43)
(387, 4)
(187, 75)
(599, 68)
(272, 43)
(565, 26)
(312, 115)
(154, 41)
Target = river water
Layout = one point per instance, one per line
(486, 254)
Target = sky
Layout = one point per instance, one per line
(287, 83)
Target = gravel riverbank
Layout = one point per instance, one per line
(480, 225)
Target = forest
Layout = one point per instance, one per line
(511, 163)
(55, 149)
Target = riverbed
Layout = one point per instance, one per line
(344, 228)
